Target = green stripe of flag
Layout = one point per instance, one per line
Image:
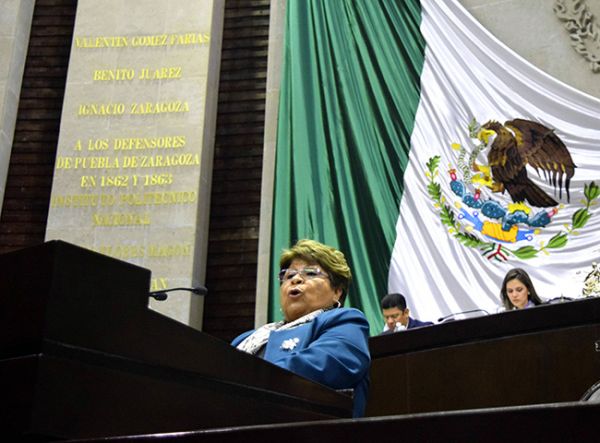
(349, 93)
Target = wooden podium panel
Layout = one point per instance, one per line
(565, 422)
(83, 356)
(546, 354)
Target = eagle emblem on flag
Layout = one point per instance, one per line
(513, 150)
(519, 143)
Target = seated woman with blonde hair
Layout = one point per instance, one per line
(518, 291)
(318, 338)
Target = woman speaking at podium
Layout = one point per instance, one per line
(318, 338)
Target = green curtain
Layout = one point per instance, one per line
(349, 93)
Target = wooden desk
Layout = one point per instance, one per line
(545, 354)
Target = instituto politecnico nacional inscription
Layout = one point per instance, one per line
(133, 167)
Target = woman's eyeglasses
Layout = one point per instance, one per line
(307, 273)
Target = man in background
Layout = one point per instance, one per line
(397, 316)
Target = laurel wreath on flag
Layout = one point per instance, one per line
(499, 251)
(591, 284)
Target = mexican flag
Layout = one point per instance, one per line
(386, 124)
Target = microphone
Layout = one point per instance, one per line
(162, 295)
(454, 314)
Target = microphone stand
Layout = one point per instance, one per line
(162, 295)
(454, 314)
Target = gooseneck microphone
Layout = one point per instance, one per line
(454, 314)
(162, 295)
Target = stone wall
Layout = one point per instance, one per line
(535, 31)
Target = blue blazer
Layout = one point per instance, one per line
(333, 350)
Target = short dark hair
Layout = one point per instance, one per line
(393, 300)
(330, 259)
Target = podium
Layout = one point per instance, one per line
(82, 356)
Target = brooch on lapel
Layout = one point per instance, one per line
(290, 343)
